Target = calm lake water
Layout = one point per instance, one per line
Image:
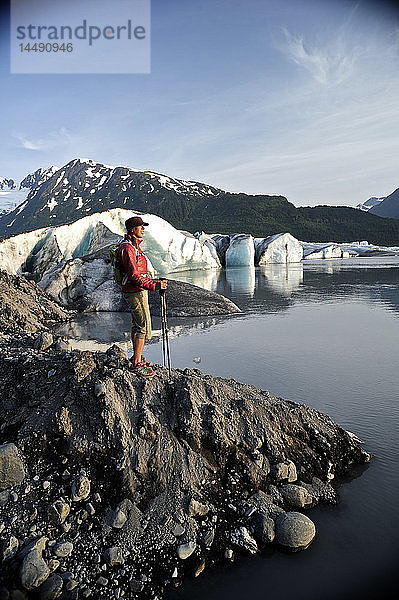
(326, 334)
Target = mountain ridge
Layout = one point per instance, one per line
(83, 187)
(389, 207)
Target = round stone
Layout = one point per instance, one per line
(294, 530)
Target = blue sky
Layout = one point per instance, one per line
(291, 97)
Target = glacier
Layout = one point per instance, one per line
(168, 249)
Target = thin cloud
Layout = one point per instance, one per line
(332, 64)
(54, 139)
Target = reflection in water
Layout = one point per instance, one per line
(282, 278)
(267, 289)
(206, 279)
(241, 280)
(98, 331)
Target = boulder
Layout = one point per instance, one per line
(12, 470)
(262, 527)
(34, 570)
(296, 496)
(294, 531)
(51, 588)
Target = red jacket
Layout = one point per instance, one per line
(134, 265)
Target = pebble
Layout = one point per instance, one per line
(114, 556)
(229, 554)
(199, 568)
(80, 488)
(10, 547)
(243, 539)
(186, 550)
(71, 584)
(178, 530)
(63, 549)
(90, 509)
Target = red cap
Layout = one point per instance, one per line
(134, 222)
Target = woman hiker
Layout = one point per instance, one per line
(135, 286)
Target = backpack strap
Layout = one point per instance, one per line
(138, 253)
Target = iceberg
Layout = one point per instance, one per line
(241, 251)
(316, 251)
(222, 242)
(279, 248)
(209, 243)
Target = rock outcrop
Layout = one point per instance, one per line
(113, 486)
(25, 308)
(123, 485)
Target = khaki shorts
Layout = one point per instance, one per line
(141, 319)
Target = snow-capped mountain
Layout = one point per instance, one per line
(389, 207)
(12, 198)
(7, 184)
(370, 203)
(83, 187)
(35, 179)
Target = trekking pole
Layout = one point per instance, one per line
(163, 330)
(165, 336)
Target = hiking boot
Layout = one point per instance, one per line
(142, 360)
(144, 370)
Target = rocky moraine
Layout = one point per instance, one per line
(116, 487)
